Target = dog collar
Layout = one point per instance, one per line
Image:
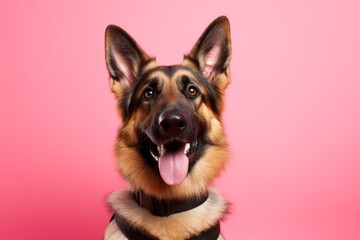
(136, 234)
(164, 208)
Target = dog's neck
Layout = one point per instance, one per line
(197, 223)
(164, 208)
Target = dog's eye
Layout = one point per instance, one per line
(148, 94)
(192, 91)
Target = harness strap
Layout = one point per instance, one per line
(133, 233)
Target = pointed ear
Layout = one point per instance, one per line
(212, 51)
(124, 57)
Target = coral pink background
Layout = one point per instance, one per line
(292, 115)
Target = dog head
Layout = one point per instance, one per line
(171, 143)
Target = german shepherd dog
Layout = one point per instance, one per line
(171, 144)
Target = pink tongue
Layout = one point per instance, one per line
(173, 167)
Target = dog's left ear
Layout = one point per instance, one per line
(124, 57)
(212, 51)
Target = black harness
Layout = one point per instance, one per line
(163, 208)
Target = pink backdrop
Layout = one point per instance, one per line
(292, 115)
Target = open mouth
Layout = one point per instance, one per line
(173, 159)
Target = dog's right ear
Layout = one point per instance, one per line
(212, 52)
(124, 58)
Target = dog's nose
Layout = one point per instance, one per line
(172, 122)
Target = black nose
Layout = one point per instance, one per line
(172, 122)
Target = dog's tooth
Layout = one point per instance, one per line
(161, 149)
(154, 156)
(187, 148)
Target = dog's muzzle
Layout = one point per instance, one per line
(174, 143)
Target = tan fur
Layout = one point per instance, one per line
(177, 226)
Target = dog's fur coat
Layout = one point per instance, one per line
(171, 116)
